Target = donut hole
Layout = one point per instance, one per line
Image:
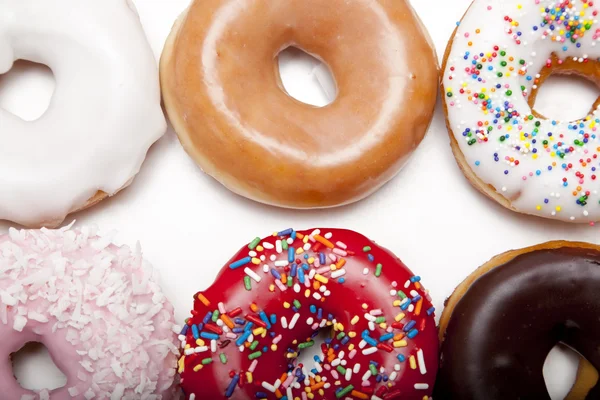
(27, 89)
(560, 371)
(564, 97)
(306, 78)
(307, 356)
(34, 369)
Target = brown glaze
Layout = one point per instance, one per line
(224, 96)
(501, 323)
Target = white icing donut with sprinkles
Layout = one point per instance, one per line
(499, 56)
(97, 308)
(247, 330)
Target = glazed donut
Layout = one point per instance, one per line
(495, 63)
(270, 300)
(95, 306)
(500, 324)
(224, 96)
(104, 115)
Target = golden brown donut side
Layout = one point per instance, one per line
(92, 201)
(55, 223)
(311, 140)
(587, 376)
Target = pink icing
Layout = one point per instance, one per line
(98, 309)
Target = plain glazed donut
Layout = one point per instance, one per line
(225, 99)
(496, 61)
(104, 115)
(95, 306)
(500, 324)
(270, 300)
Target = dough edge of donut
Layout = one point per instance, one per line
(587, 376)
(98, 197)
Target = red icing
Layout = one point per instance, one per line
(344, 301)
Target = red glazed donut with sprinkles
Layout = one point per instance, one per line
(498, 58)
(270, 300)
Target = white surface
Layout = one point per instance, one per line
(429, 215)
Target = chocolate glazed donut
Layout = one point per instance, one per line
(500, 324)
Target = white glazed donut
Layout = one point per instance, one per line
(103, 117)
(500, 54)
(98, 309)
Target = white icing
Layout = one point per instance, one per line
(542, 191)
(103, 117)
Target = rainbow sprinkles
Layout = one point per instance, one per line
(543, 166)
(269, 303)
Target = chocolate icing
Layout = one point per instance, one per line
(506, 323)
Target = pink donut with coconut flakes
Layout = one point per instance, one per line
(98, 309)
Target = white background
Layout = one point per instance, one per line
(189, 225)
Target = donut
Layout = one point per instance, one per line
(98, 309)
(104, 115)
(225, 98)
(499, 56)
(269, 302)
(502, 321)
